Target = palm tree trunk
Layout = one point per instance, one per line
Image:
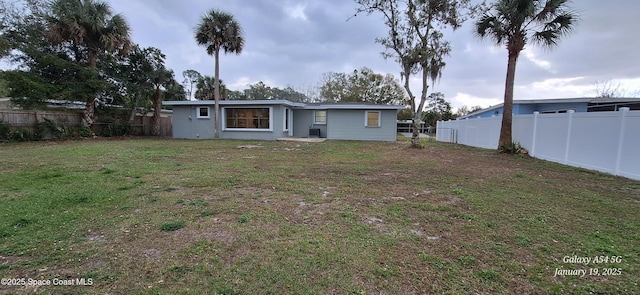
(90, 107)
(132, 115)
(89, 111)
(216, 96)
(507, 114)
(157, 106)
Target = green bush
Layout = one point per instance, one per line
(47, 130)
(513, 148)
(114, 127)
(4, 130)
(19, 135)
(78, 131)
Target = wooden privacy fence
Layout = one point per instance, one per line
(142, 126)
(26, 120)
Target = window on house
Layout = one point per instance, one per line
(243, 118)
(555, 112)
(320, 117)
(372, 119)
(286, 119)
(203, 112)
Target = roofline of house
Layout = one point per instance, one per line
(310, 106)
(228, 102)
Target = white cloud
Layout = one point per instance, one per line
(469, 100)
(538, 62)
(244, 82)
(559, 88)
(296, 11)
(629, 87)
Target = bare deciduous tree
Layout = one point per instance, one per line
(416, 41)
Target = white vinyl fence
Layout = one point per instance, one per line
(602, 141)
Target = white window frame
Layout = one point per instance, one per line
(325, 117)
(224, 119)
(286, 118)
(208, 116)
(366, 119)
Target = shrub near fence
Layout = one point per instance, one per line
(24, 125)
(602, 141)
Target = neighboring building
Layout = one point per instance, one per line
(273, 119)
(7, 103)
(547, 106)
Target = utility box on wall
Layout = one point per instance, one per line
(314, 132)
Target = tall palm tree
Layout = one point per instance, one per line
(89, 28)
(219, 30)
(514, 23)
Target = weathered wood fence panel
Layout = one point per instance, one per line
(18, 118)
(26, 119)
(143, 125)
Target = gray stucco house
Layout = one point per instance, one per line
(273, 119)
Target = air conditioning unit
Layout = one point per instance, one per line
(314, 132)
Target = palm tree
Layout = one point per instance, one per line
(205, 88)
(89, 28)
(219, 30)
(514, 23)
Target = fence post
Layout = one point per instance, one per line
(623, 113)
(535, 133)
(566, 151)
(457, 132)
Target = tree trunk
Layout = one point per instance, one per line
(90, 107)
(506, 139)
(417, 112)
(157, 106)
(216, 96)
(415, 109)
(415, 136)
(132, 115)
(89, 110)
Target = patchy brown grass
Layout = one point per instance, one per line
(335, 217)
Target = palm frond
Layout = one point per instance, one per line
(219, 30)
(89, 24)
(551, 8)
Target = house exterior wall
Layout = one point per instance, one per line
(350, 125)
(343, 121)
(578, 107)
(529, 108)
(187, 125)
(490, 113)
(303, 120)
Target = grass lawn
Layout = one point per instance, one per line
(242, 217)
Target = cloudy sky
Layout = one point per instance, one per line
(292, 42)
